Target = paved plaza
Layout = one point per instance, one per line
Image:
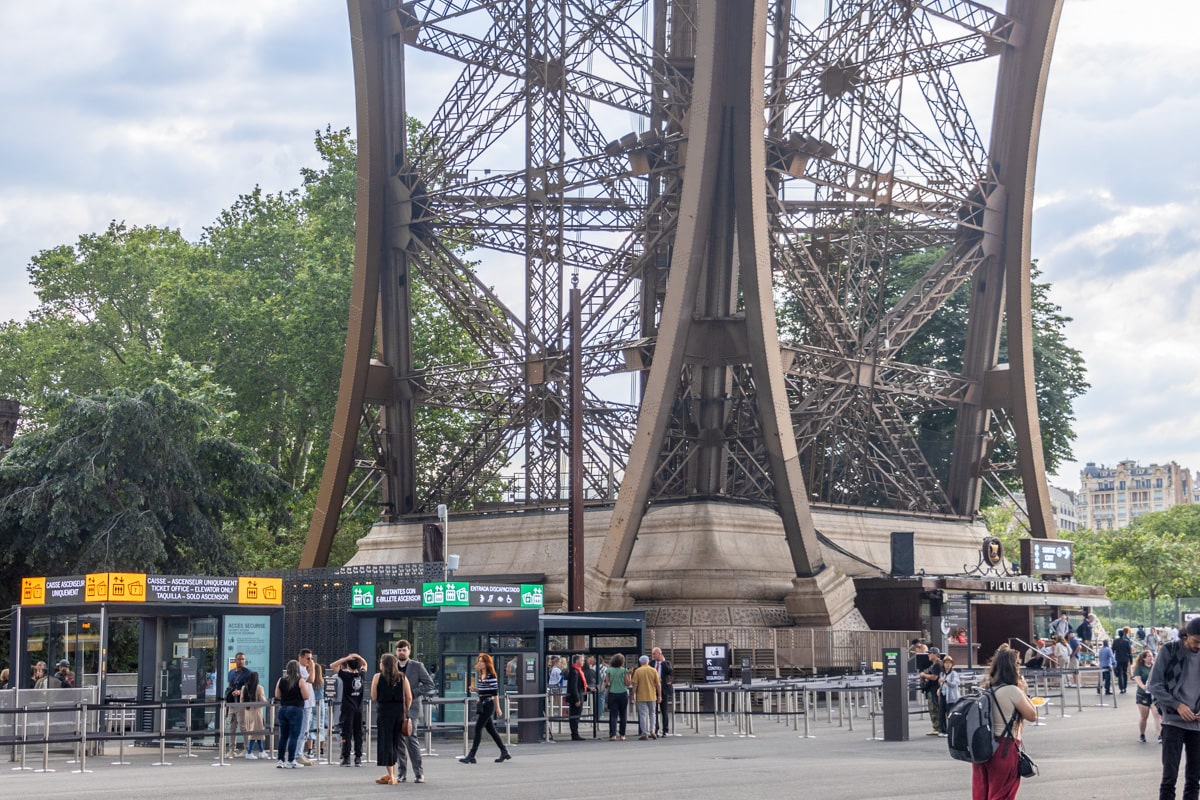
(1090, 754)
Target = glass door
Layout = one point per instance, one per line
(188, 655)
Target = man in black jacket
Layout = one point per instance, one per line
(577, 689)
(1123, 652)
(665, 678)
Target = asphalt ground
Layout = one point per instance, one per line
(1093, 753)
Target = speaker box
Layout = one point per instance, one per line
(902, 553)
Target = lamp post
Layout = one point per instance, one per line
(443, 515)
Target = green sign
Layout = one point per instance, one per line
(450, 593)
(531, 595)
(363, 597)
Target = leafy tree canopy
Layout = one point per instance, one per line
(131, 481)
(253, 314)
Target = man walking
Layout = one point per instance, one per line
(421, 683)
(665, 679)
(647, 693)
(1175, 686)
(1122, 658)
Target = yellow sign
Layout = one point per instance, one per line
(115, 587)
(96, 587)
(260, 591)
(33, 591)
(127, 587)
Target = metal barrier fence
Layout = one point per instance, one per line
(83, 727)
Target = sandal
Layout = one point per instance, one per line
(385, 779)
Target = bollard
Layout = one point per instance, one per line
(121, 762)
(162, 737)
(81, 728)
(223, 712)
(187, 727)
(46, 745)
(427, 721)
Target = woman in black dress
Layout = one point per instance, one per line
(487, 686)
(390, 691)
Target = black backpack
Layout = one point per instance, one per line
(969, 733)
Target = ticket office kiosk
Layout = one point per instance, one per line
(162, 638)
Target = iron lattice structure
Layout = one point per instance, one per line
(695, 165)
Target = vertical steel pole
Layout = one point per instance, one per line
(575, 591)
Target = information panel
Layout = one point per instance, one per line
(716, 663)
(250, 635)
(1047, 557)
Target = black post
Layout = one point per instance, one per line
(575, 591)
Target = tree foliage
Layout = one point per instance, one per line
(254, 312)
(1157, 555)
(131, 482)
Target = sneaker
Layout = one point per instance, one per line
(419, 779)
(1160, 738)
(944, 735)
(931, 733)
(346, 761)
(1142, 738)
(305, 762)
(279, 765)
(358, 761)
(251, 757)
(291, 765)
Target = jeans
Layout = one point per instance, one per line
(647, 712)
(1180, 742)
(618, 710)
(291, 719)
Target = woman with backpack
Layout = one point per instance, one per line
(997, 778)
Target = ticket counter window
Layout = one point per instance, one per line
(73, 637)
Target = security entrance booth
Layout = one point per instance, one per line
(149, 638)
(449, 623)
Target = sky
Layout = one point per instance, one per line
(158, 113)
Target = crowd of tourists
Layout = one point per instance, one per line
(1163, 666)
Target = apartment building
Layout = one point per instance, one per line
(1112, 497)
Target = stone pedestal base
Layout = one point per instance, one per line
(823, 600)
(605, 594)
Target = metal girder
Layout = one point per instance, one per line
(863, 156)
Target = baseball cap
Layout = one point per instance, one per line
(934, 651)
(63, 663)
(1193, 626)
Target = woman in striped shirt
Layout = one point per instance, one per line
(487, 686)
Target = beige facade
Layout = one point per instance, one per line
(1112, 497)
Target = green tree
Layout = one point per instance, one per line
(1158, 555)
(96, 326)
(131, 481)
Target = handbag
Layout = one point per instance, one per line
(1026, 766)
(407, 727)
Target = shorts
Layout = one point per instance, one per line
(1144, 699)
